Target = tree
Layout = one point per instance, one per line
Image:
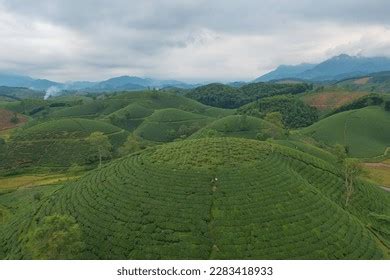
(275, 118)
(131, 145)
(14, 119)
(57, 237)
(340, 152)
(273, 131)
(387, 106)
(243, 122)
(262, 136)
(101, 144)
(352, 169)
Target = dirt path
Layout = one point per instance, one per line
(377, 164)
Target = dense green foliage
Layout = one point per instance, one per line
(55, 238)
(387, 106)
(295, 113)
(225, 96)
(100, 145)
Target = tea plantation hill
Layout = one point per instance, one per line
(136, 105)
(57, 143)
(215, 198)
(365, 132)
(240, 126)
(165, 125)
(124, 109)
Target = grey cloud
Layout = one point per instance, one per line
(146, 37)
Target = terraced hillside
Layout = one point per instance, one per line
(168, 124)
(365, 132)
(214, 198)
(240, 126)
(57, 143)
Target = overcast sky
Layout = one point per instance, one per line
(186, 40)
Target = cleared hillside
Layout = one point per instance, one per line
(328, 100)
(10, 119)
(214, 198)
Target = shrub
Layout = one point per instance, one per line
(56, 237)
(387, 106)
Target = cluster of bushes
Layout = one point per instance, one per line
(295, 113)
(387, 106)
(224, 96)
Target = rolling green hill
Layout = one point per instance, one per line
(65, 128)
(240, 126)
(168, 124)
(365, 132)
(211, 198)
(57, 143)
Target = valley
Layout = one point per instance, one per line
(254, 171)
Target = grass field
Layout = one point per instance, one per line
(28, 181)
(379, 173)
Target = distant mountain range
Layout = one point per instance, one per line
(336, 68)
(11, 80)
(117, 83)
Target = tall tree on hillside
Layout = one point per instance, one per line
(101, 144)
(57, 237)
(340, 152)
(352, 169)
(131, 145)
(275, 118)
(14, 119)
(387, 106)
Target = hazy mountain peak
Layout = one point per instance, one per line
(335, 68)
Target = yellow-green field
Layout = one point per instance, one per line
(379, 172)
(27, 181)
